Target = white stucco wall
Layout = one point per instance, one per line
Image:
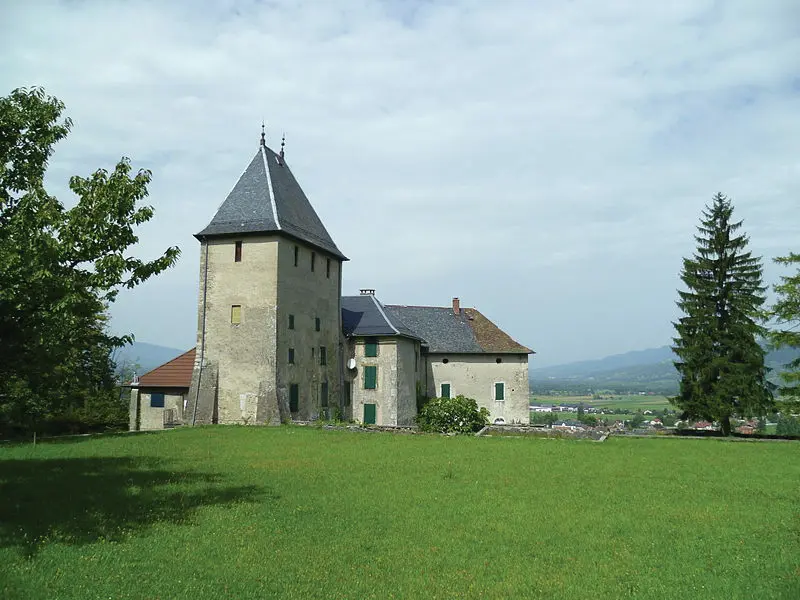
(150, 417)
(474, 376)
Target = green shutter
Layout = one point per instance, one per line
(499, 391)
(323, 394)
(370, 377)
(369, 414)
(294, 397)
(371, 348)
(445, 390)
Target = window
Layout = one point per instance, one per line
(291, 321)
(312, 351)
(296, 254)
(291, 356)
(317, 323)
(323, 394)
(294, 397)
(499, 391)
(498, 360)
(445, 391)
(416, 360)
(236, 314)
(371, 347)
(323, 355)
(370, 377)
(328, 269)
(445, 361)
(348, 387)
(157, 400)
(237, 252)
(313, 260)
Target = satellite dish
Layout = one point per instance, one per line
(351, 363)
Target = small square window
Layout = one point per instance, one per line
(291, 321)
(317, 323)
(323, 355)
(313, 260)
(296, 254)
(499, 391)
(157, 400)
(294, 397)
(328, 269)
(370, 377)
(237, 252)
(371, 347)
(445, 391)
(291, 356)
(236, 314)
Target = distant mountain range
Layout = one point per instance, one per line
(648, 370)
(143, 357)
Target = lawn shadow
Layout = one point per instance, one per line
(78, 501)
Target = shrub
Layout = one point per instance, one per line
(452, 415)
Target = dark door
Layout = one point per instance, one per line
(369, 414)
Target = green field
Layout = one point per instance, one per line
(633, 402)
(292, 512)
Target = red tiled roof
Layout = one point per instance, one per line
(176, 373)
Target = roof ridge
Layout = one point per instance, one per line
(379, 306)
(270, 191)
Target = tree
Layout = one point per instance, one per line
(60, 269)
(720, 361)
(786, 311)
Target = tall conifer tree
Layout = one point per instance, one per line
(720, 360)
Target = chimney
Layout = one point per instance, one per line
(456, 306)
(367, 292)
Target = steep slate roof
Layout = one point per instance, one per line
(365, 316)
(176, 373)
(469, 332)
(268, 199)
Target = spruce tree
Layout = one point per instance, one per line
(786, 312)
(720, 360)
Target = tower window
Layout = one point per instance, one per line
(237, 252)
(291, 356)
(294, 397)
(313, 260)
(296, 254)
(236, 314)
(291, 321)
(328, 269)
(323, 355)
(317, 323)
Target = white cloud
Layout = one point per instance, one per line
(545, 162)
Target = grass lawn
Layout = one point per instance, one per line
(291, 512)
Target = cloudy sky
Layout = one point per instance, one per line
(545, 161)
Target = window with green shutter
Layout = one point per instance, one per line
(370, 377)
(499, 391)
(445, 390)
(294, 397)
(371, 348)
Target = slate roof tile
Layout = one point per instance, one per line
(267, 199)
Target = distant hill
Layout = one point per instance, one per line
(648, 370)
(147, 356)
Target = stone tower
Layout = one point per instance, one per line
(269, 310)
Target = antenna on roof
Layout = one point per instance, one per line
(283, 143)
(263, 134)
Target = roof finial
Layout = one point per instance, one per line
(283, 143)
(263, 134)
